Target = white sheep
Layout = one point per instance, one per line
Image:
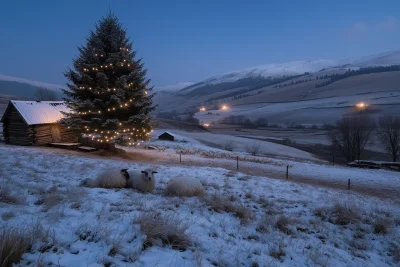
(184, 187)
(110, 178)
(143, 181)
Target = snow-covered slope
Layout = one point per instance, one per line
(50, 86)
(173, 87)
(300, 67)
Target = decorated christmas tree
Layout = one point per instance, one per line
(109, 95)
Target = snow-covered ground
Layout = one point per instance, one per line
(219, 142)
(324, 107)
(261, 221)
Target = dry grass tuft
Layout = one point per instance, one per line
(167, 230)
(7, 197)
(344, 214)
(382, 226)
(50, 198)
(220, 204)
(14, 242)
(277, 252)
(266, 223)
(283, 224)
(321, 212)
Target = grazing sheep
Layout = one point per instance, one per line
(110, 178)
(143, 181)
(184, 187)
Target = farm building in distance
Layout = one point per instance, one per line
(167, 136)
(35, 123)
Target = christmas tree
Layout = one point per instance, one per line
(109, 95)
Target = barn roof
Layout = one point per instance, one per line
(39, 112)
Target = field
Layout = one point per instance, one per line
(248, 217)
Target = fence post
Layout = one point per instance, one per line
(333, 160)
(287, 172)
(237, 162)
(348, 184)
(180, 156)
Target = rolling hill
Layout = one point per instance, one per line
(292, 92)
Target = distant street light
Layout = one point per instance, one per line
(202, 109)
(224, 107)
(361, 105)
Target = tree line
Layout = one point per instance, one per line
(349, 73)
(353, 133)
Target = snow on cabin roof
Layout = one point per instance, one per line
(40, 112)
(168, 133)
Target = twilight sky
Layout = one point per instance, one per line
(188, 41)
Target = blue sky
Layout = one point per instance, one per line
(183, 41)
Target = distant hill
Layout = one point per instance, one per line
(291, 81)
(25, 88)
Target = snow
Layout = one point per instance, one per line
(300, 67)
(34, 83)
(88, 222)
(40, 112)
(204, 141)
(324, 106)
(173, 87)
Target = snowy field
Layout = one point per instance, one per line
(242, 220)
(328, 109)
(219, 142)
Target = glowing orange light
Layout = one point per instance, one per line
(224, 107)
(361, 105)
(202, 109)
(206, 124)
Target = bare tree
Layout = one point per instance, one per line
(389, 135)
(43, 94)
(254, 148)
(352, 135)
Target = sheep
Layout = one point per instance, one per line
(143, 181)
(110, 178)
(184, 187)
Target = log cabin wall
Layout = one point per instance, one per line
(17, 132)
(15, 129)
(44, 135)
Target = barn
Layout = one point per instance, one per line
(167, 136)
(35, 123)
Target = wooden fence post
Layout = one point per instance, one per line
(287, 172)
(348, 184)
(237, 162)
(180, 156)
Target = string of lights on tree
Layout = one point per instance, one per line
(109, 91)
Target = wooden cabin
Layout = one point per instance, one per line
(167, 136)
(35, 123)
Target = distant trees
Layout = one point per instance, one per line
(43, 94)
(261, 122)
(349, 73)
(352, 134)
(388, 133)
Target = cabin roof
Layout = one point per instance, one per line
(39, 112)
(169, 133)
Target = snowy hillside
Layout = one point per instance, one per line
(300, 67)
(242, 220)
(50, 86)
